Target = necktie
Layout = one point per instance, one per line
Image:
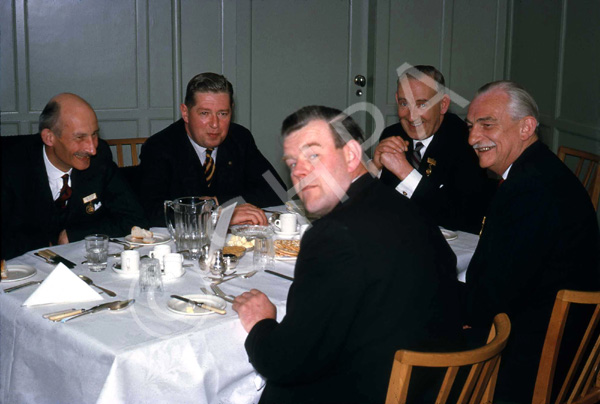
(209, 167)
(65, 193)
(417, 155)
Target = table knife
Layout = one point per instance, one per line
(8, 290)
(199, 304)
(61, 315)
(55, 258)
(289, 278)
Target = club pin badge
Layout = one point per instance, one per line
(432, 164)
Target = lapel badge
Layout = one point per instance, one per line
(432, 164)
(89, 208)
(89, 198)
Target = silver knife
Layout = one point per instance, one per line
(199, 304)
(8, 290)
(59, 316)
(220, 293)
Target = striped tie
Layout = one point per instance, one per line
(65, 193)
(417, 155)
(209, 167)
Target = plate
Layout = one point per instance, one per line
(449, 234)
(158, 239)
(179, 307)
(19, 272)
(251, 231)
(285, 258)
(127, 274)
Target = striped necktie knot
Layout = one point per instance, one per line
(417, 154)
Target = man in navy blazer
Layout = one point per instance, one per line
(540, 233)
(373, 275)
(175, 159)
(445, 178)
(60, 185)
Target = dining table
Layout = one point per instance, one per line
(147, 352)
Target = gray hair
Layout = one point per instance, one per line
(49, 117)
(520, 104)
(417, 71)
(343, 127)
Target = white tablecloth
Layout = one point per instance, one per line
(140, 355)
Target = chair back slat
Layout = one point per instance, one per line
(483, 361)
(591, 178)
(585, 376)
(132, 143)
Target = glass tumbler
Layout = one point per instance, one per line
(150, 276)
(96, 251)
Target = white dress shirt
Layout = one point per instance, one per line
(407, 186)
(201, 151)
(54, 176)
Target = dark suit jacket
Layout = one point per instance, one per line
(373, 276)
(455, 193)
(171, 169)
(29, 218)
(540, 236)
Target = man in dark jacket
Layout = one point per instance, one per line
(61, 184)
(373, 276)
(205, 154)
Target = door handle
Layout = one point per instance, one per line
(360, 80)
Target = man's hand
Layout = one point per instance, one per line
(397, 164)
(62, 237)
(248, 214)
(393, 145)
(252, 307)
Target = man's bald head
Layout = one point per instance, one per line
(61, 103)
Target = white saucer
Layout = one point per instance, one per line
(128, 274)
(282, 234)
(167, 278)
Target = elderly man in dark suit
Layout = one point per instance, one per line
(61, 185)
(540, 233)
(373, 276)
(205, 154)
(426, 156)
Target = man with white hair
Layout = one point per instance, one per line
(540, 233)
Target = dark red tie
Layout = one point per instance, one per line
(65, 193)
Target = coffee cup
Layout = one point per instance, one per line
(173, 265)
(130, 261)
(287, 223)
(159, 252)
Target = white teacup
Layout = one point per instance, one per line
(287, 223)
(173, 265)
(159, 252)
(130, 261)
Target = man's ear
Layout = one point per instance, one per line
(47, 137)
(527, 127)
(352, 154)
(184, 112)
(444, 104)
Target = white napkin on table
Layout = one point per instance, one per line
(62, 286)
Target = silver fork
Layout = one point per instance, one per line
(219, 292)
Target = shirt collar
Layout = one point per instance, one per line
(424, 141)
(505, 174)
(201, 151)
(53, 172)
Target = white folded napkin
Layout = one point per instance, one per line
(62, 286)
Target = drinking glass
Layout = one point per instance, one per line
(264, 252)
(150, 276)
(96, 250)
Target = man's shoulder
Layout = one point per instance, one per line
(168, 134)
(393, 130)
(239, 133)
(20, 149)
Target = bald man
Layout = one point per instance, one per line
(61, 184)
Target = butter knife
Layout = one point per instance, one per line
(199, 304)
(55, 258)
(58, 316)
(8, 290)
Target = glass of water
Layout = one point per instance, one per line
(264, 252)
(96, 251)
(150, 276)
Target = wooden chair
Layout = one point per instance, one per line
(132, 143)
(591, 175)
(587, 386)
(481, 381)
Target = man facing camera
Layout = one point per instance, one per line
(540, 234)
(61, 185)
(373, 276)
(205, 154)
(426, 156)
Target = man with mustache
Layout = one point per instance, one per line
(205, 154)
(426, 156)
(60, 185)
(540, 233)
(374, 275)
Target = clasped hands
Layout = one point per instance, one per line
(391, 154)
